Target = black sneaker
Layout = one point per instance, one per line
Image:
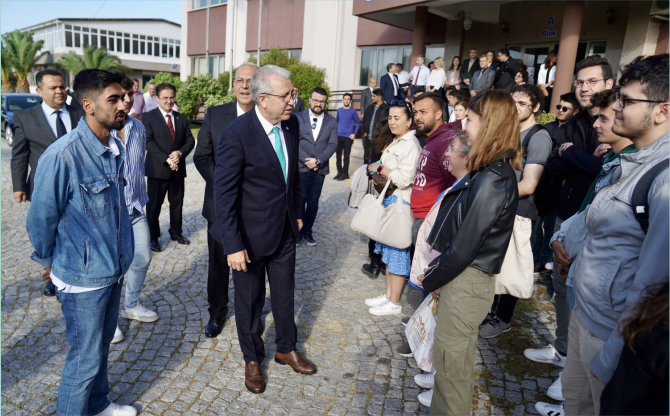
(337, 177)
(309, 240)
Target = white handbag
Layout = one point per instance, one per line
(420, 332)
(391, 226)
(516, 274)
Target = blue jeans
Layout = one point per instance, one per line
(540, 237)
(311, 183)
(138, 268)
(90, 322)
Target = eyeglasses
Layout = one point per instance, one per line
(622, 99)
(166, 98)
(287, 98)
(590, 82)
(562, 108)
(318, 101)
(314, 124)
(242, 81)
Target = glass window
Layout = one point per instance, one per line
(178, 42)
(157, 51)
(103, 41)
(103, 32)
(598, 48)
(68, 39)
(77, 28)
(85, 41)
(164, 52)
(212, 63)
(85, 29)
(126, 45)
(365, 67)
(143, 46)
(68, 26)
(94, 40)
(164, 40)
(126, 35)
(149, 48)
(111, 44)
(134, 36)
(142, 37)
(94, 30)
(119, 45)
(136, 47)
(77, 40)
(176, 51)
(201, 3)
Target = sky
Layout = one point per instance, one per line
(17, 14)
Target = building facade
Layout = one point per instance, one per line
(145, 46)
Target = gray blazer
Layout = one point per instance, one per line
(322, 148)
(366, 99)
(483, 83)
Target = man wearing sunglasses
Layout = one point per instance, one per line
(567, 107)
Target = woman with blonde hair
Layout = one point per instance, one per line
(437, 78)
(472, 231)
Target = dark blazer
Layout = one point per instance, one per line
(217, 118)
(468, 74)
(32, 136)
(323, 147)
(251, 198)
(160, 144)
(366, 99)
(386, 84)
(382, 112)
(298, 106)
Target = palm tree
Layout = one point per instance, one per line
(23, 53)
(94, 58)
(8, 78)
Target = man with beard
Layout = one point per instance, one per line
(218, 118)
(318, 140)
(80, 228)
(134, 137)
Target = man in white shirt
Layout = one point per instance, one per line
(420, 73)
(150, 98)
(403, 80)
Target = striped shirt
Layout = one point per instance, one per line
(135, 143)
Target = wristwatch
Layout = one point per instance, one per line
(379, 168)
(318, 163)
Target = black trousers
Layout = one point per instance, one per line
(156, 189)
(503, 307)
(371, 250)
(250, 297)
(343, 145)
(218, 278)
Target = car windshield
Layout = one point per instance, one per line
(21, 103)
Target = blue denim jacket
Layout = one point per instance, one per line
(76, 221)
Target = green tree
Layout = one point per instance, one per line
(304, 75)
(94, 58)
(164, 77)
(195, 91)
(8, 78)
(22, 53)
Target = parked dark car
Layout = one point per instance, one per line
(13, 103)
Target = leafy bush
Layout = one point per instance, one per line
(218, 100)
(164, 77)
(196, 91)
(304, 75)
(545, 117)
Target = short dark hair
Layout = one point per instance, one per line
(399, 64)
(603, 99)
(648, 71)
(127, 84)
(136, 80)
(165, 86)
(89, 83)
(437, 101)
(524, 75)
(449, 89)
(378, 91)
(572, 99)
(319, 91)
(420, 88)
(504, 51)
(592, 61)
(533, 92)
(346, 94)
(41, 74)
(389, 66)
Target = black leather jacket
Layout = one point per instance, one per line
(474, 224)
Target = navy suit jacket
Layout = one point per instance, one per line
(323, 147)
(386, 84)
(251, 198)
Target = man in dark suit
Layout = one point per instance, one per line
(375, 112)
(318, 141)
(389, 84)
(259, 216)
(366, 95)
(35, 129)
(468, 69)
(218, 118)
(169, 141)
(299, 106)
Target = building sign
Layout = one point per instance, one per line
(551, 21)
(548, 33)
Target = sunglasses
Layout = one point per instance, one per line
(399, 102)
(564, 109)
(314, 124)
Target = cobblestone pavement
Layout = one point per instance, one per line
(169, 367)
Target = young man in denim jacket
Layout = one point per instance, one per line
(80, 228)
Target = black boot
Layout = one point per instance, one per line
(372, 269)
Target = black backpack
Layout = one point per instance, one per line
(548, 192)
(639, 200)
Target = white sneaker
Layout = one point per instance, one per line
(425, 381)
(118, 336)
(425, 397)
(376, 301)
(140, 313)
(118, 410)
(549, 266)
(555, 391)
(388, 308)
(548, 409)
(547, 354)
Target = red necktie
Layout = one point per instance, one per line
(170, 126)
(417, 76)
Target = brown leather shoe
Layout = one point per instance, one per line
(299, 364)
(253, 377)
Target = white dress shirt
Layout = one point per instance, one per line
(239, 109)
(50, 114)
(150, 102)
(267, 126)
(319, 123)
(423, 75)
(403, 77)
